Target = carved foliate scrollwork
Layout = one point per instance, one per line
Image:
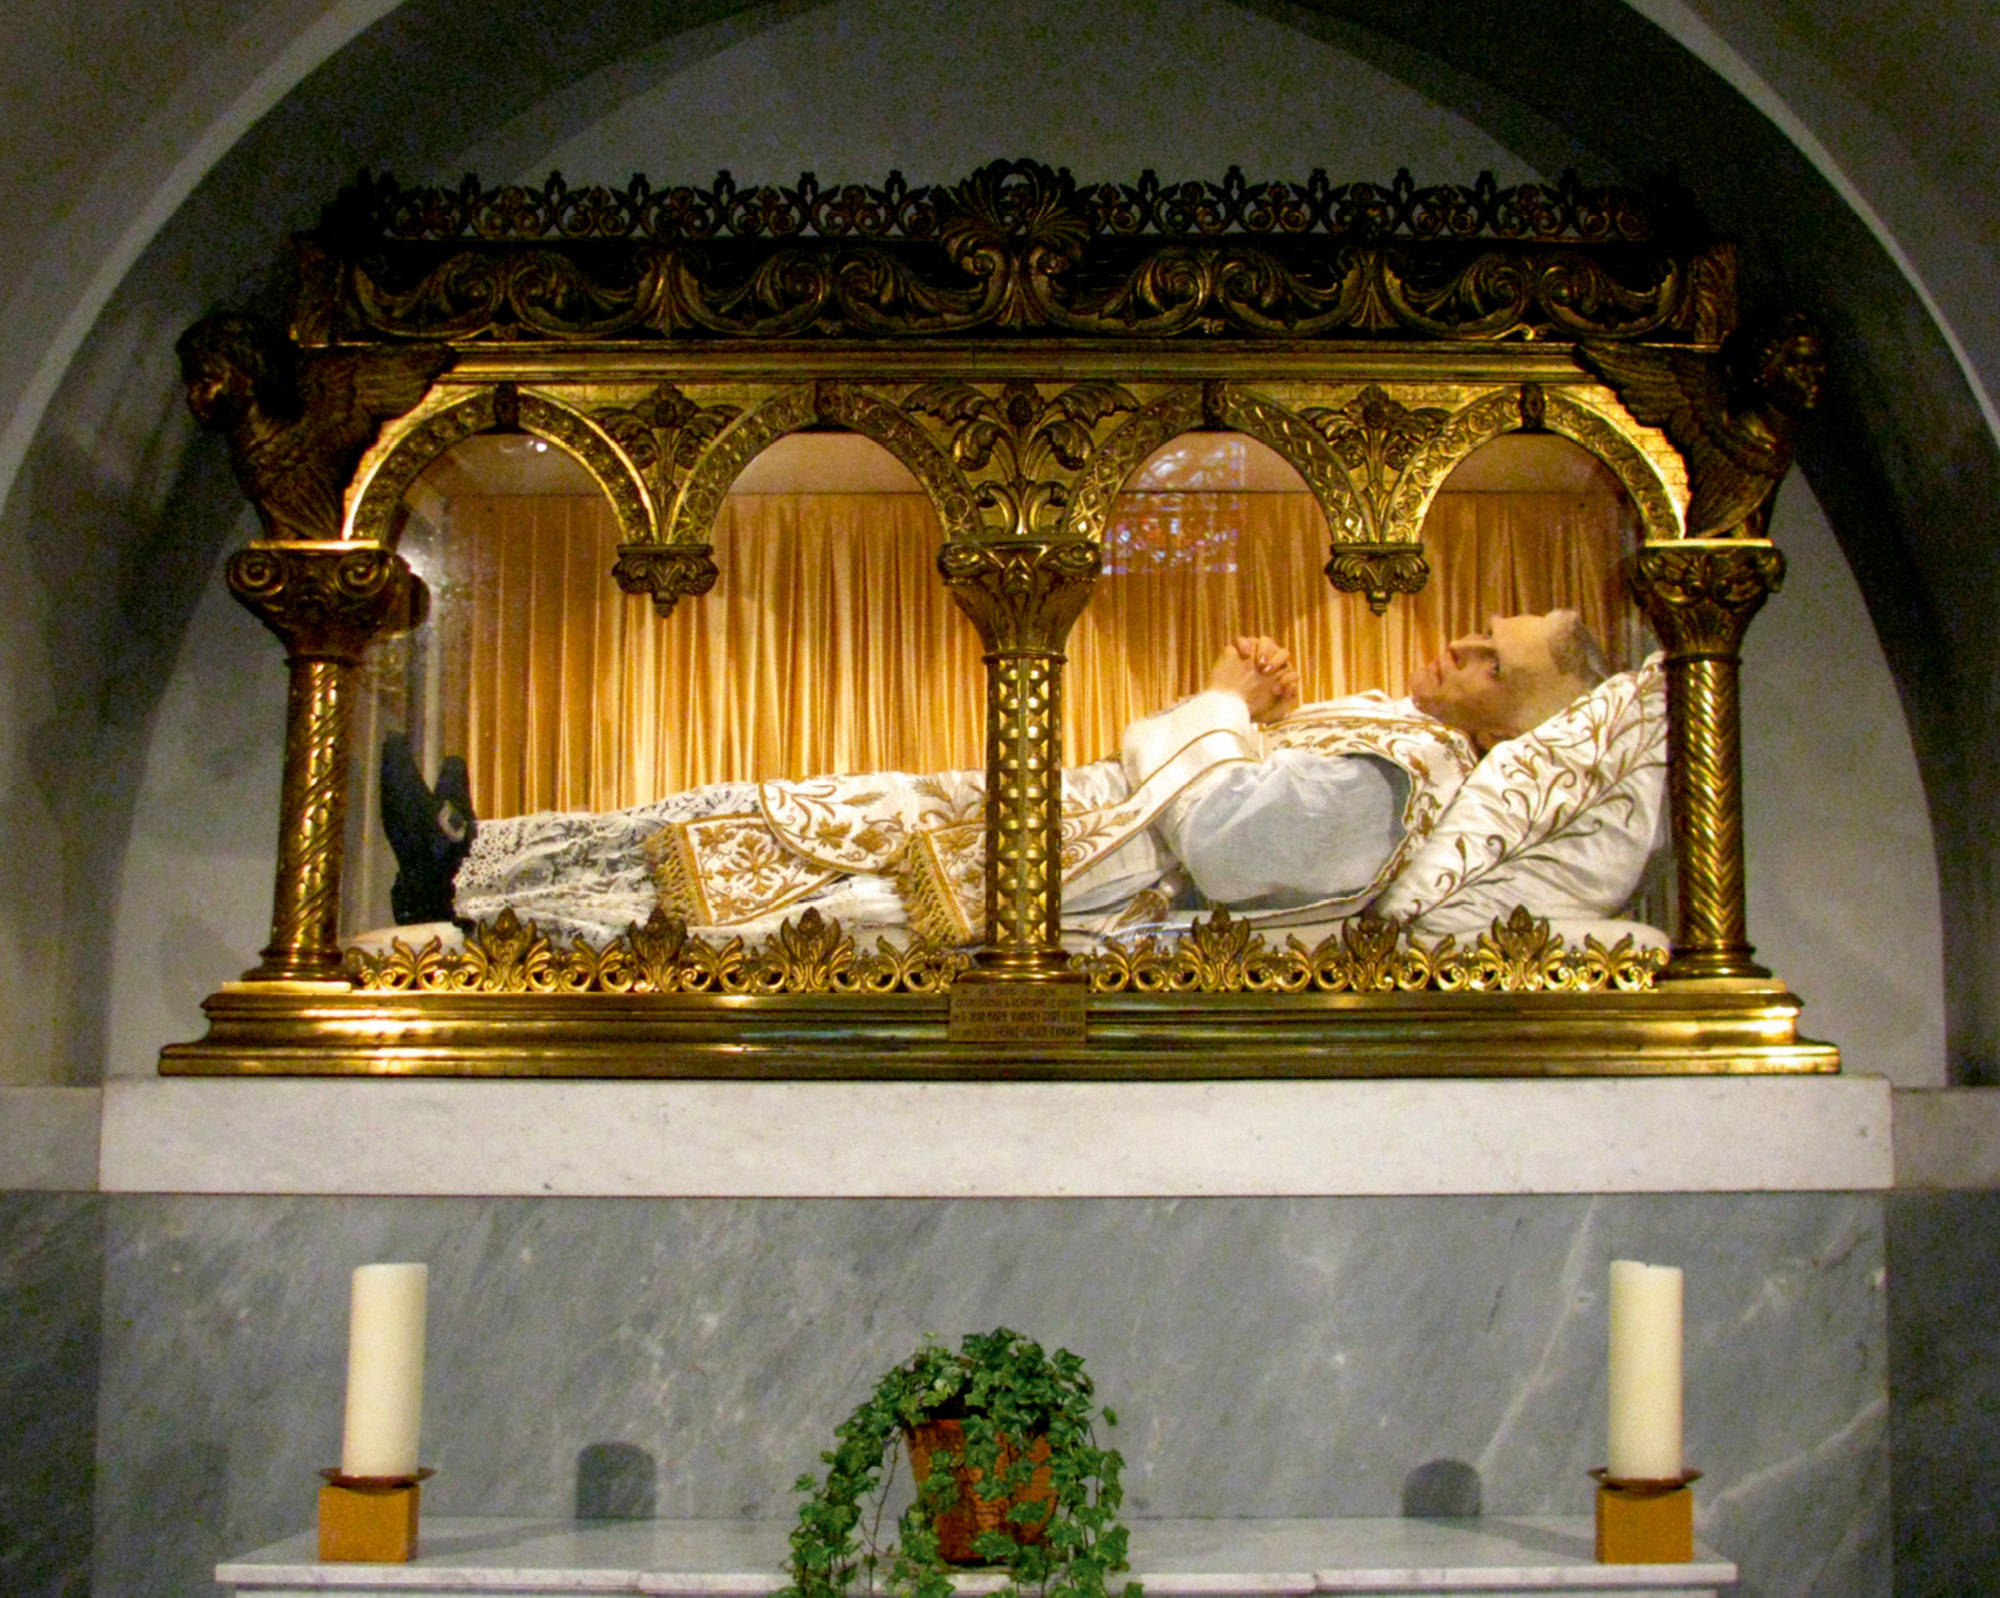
(664, 434)
(1015, 246)
(326, 601)
(1517, 954)
(1380, 571)
(1179, 410)
(808, 292)
(1010, 195)
(810, 955)
(1375, 436)
(1700, 597)
(1021, 596)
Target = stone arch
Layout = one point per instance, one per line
(502, 407)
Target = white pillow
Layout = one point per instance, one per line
(1561, 819)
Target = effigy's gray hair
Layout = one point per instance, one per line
(1576, 651)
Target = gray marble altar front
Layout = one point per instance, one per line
(1945, 1372)
(1496, 1556)
(51, 1259)
(1268, 1358)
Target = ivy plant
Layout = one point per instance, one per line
(1006, 1392)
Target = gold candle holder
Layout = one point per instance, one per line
(1643, 1522)
(369, 1519)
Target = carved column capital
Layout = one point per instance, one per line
(1701, 596)
(327, 601)
(1021, 595)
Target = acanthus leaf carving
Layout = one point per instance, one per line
(1019, 447)
(1375, 436)
(664, 434)
(1381, 571)
(1518, 954)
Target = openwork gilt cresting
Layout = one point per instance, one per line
(1015, 248)
(1022, 342)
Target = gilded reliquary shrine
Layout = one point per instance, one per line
(1012, 627)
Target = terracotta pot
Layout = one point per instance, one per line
(972, 1515)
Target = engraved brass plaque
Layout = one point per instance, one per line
(1024, 1015)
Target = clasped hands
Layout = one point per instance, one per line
(1259, 671)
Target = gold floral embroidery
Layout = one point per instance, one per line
(724, 869)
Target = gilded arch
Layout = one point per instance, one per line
(1509, 410)
(1160, 420)
(1304, 447)
(735, 447)
(849, 405)
(872, 416)
(502, 408)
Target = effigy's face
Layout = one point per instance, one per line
(1484, 683)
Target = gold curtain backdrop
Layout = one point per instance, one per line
(830, 644)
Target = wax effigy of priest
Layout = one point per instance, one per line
(1518, 770)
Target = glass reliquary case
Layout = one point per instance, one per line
(1005, 628)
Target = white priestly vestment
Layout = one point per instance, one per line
(1306, 819)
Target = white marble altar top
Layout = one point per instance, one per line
(1495, 1557)
(695, 1139)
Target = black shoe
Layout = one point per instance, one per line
(430, 831)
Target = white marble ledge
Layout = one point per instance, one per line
(1495, 1557)
(421, 1136)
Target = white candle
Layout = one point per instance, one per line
(1645, 1372)
(385, 1370)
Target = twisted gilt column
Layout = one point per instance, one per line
(1023, 597)
(1700, 596)
(325, 602)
